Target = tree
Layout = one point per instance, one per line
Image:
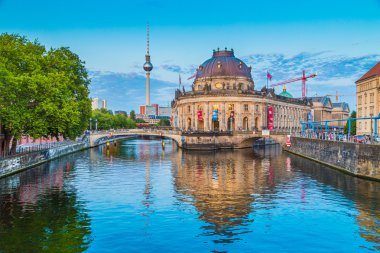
(353, 125)
(121, 121)
(140, 121)
(106, 120)
(164, 122)
(132, 115)
(46, 91)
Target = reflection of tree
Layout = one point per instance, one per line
(49, 219)
(221, 186)
(365, 193)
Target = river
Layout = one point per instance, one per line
(138, 197)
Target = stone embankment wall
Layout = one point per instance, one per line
(20, 162)
(358, 159)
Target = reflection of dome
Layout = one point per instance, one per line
(284, 93)
(224, 63)
(148, 66)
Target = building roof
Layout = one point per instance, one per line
(223, 63)
(325, 100)
(284, 93)
(375, 70)
(342, 105)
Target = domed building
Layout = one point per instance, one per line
(284, 93)
(223, 98)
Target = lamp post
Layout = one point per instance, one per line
(90, 124)
(371, 128)
(96, 124)
(290, 128)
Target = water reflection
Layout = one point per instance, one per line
(141, 196)
(364, 193)
(223, 186)
(37, 214)
(227, 188)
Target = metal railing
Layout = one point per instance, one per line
(33, 147)
(331, 136)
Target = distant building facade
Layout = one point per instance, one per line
(340, 110)
(368, 99)
(323, 108)
(155, 110)
(121, 113)
(98, 103)
(223, 98)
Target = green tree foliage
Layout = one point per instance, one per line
(164, 122)
(353, 125)
(140, 121)
(42, 92)
(106, 120)
(132, 115)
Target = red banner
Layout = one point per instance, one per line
(200, 115)
(270, 117)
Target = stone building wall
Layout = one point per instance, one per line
(249, 112)
(358, 159)
(368, 103)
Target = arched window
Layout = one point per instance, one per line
(245, 123)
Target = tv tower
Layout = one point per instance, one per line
(147, 67)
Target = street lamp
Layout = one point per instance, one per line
(90, 124)
(371, 127)
(96, 124)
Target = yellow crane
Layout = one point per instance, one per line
(337, 95)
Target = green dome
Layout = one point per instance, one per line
(284, 93)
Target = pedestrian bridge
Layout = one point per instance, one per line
(190, 140)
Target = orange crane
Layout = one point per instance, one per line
(303, 78)
(337, 95)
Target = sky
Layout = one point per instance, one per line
(338, 39)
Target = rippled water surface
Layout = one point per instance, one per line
(138, 197)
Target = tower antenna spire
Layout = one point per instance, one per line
(147, 67)
(147, 38)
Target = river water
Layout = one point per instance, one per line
(138, 197)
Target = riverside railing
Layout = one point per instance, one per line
(30, 148)
(331, 136)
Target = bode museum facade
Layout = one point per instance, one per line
(224, 98)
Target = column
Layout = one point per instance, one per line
(223, 120)
(193, 121)
(207, 118)
(238, 121)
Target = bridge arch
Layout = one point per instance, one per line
(99, 139)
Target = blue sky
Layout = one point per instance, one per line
(331, 37)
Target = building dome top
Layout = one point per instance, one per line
(223, 63)
(284, 93)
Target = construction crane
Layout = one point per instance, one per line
(303, 78)
(337, 95)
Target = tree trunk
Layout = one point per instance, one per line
(14, 145)
(8, 135)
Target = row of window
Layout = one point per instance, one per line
(368, 85)
(231, 107)
(363, 113)
(371, 98)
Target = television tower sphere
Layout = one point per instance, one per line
(148, 66)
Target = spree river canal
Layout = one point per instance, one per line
(138, 197)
